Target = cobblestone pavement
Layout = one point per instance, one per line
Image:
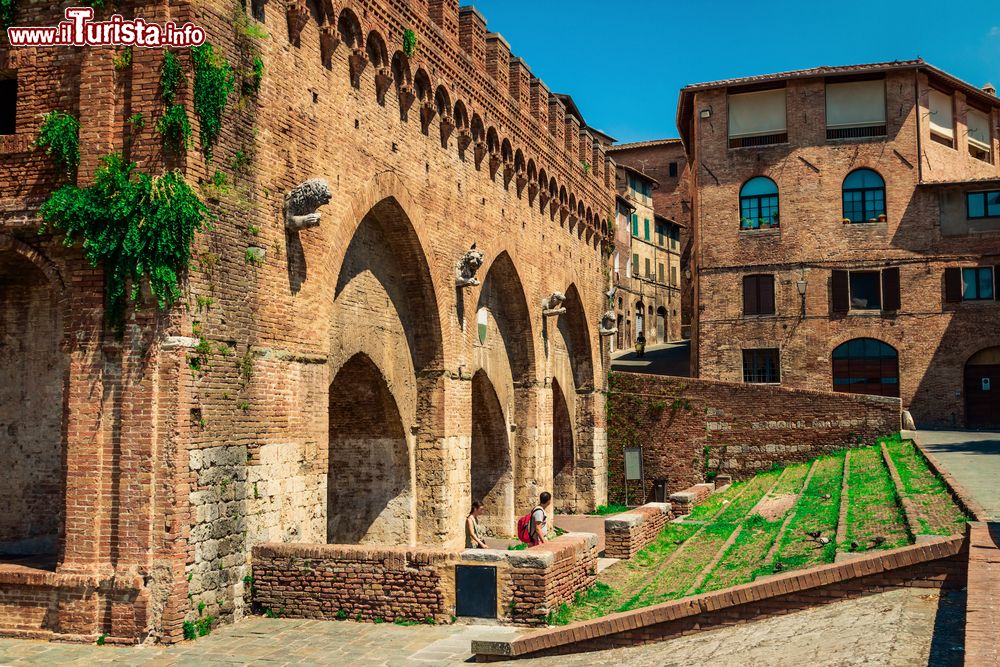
(902, 627)
(973, 457)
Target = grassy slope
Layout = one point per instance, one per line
(873, 510)
(814, 512)
(938, 513)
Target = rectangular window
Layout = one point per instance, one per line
(758, 295)
(673, 276)
(635, 265)
(661, 231)
(661, 275)
(983, 204)
(977, 284)
(855, 109)
(942, 117)
(645, 230)
(673, 170)
(980, 137)
(866, 290)
(8, 105)
(648, 272)
(761, 366)
(635, 225)
(757, 118)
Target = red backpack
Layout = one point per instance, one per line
(524, 527)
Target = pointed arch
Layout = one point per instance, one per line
(503, 293)
(461, 116)
(576, 334)
(491, 460)
(378, 55)
(349, 29)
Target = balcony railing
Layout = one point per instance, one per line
(866, 132)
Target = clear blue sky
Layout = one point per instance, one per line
(624, 61)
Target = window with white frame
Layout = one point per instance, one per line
(980, 137)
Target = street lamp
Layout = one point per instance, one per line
(801, 285)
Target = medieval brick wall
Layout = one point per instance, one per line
(933, 339)
(689, 427)
(627, 534)
(208, 429)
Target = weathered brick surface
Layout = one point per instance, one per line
(684, 501)
(982, 615)
(368, 583)
(208, 429)
(934, 339)
(627, 534)
(746, 427)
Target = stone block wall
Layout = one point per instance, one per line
(627, 534)
(689, 427)
(684, 501)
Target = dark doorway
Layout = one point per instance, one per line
(562, 450)
(476, 591)
(492, 477)
(982, 389)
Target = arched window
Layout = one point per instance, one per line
(864, 196)
(866, 366)
(759, 204)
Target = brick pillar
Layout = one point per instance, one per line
(445, 14)
(520, 85)
(472, 35)
(442, 459)
(498, 59)
(528, 448)
(572, 137)
(557, 120)
(540, 102)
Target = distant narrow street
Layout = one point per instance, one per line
(660, 359)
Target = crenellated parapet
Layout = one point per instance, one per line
(467, 91)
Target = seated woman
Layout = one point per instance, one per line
(473, 531)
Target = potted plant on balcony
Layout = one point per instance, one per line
(846, 221)
(882, 218)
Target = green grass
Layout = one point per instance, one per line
(937, 512)
(711, 506)
(791, 481)
(605, 510)
(753, 491)
(742, 561)
(873, 510)
(814, 512)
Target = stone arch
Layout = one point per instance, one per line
(33, 375)
(563, 450)
(461, 116)
(492, 141)
(662, 333)
(403, 82)
(506, 151)
(370, 496)
(477, 127)
(576, 334)
(385, 305)
(378, 55)
(503, 294)
(865, 366)
(422, 85)
(519, 162)
(491, 460)
(442, 101)
(315, 12)
(349, 29)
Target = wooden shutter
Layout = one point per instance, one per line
(890, 289)
(765, 299)
(750, 304)
(996, 283)
(840, 291)
(952, 285)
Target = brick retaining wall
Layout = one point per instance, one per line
(938, 564)
(329, 581)
(747, 428)
(628, 533)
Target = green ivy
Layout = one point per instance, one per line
(171, 77)
(258, 74)
(138, 227)
(213, 82)
(123, 60)
(175, 129)
(409, 42)
(6, 13)
(59, 135)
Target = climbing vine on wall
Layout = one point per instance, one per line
(137, 226)
(6, 13)
(175, 129)
(409, 42)
(171, 77)
(59, 135)
(213, 82)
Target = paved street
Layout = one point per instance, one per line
(901, 627)
(662, 359)
(973, 457)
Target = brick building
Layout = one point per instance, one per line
(340, 382)
(646, 264)
(665, 161)
(877, 276)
